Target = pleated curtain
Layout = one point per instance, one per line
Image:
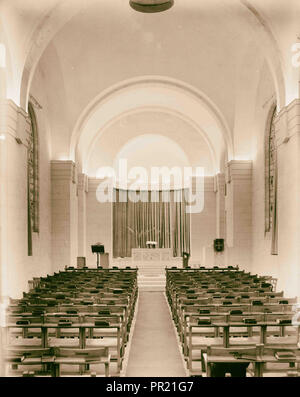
(157, 216)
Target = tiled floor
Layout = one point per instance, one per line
(154, 348)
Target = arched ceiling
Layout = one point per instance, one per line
(83, 49)
(164, 95)
(31, 25)
(105, 44)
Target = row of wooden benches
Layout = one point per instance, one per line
(52, 358)
(218, 361)
(54, 328)
(265, 318)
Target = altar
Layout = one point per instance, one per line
(148, 255)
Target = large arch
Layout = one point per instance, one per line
(7, 81)
(277, 59)
(2, 71)
(50, 23)
(153, 92)
(155, 121)
(247, 81)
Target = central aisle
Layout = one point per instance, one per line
(154, 349)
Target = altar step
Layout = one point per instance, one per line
(151, 272)
(151, 283)
(156, 268)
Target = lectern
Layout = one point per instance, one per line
(98, 248)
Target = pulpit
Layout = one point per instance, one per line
(102, 256)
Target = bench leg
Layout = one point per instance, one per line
(208, 374)
(55, 370)
(203, 369)
(106, 369)
(258, 370)
(190, 361)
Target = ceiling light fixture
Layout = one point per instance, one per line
(151, 6)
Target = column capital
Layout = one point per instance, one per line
(238, 170)
(219, 182)
(64, 170)
(83, 182)
(93, 184)
(14, 121)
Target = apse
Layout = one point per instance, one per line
(145, 154)
(150, 137)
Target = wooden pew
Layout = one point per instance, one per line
(283, 360)
(18, 356)
(81, 357)
(66, 318)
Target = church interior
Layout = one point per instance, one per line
(149, 188)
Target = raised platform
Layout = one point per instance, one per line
(151, 274)
(151, 283)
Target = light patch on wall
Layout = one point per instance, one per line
(242, 158)
(2, 137)
(2, 56)
(147, 154)
(3, 310)
(63, 158)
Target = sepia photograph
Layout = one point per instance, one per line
(149, 192)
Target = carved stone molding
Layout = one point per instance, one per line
(83, 182)
(238, 170)
(64, 170)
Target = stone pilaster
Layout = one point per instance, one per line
(99, 216)
(220, 257)
(203, 225)
(64, 214)
(14, 130)
(238, 207)
(82, 190)
(220, 205)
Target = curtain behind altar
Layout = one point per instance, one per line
(158, 216)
